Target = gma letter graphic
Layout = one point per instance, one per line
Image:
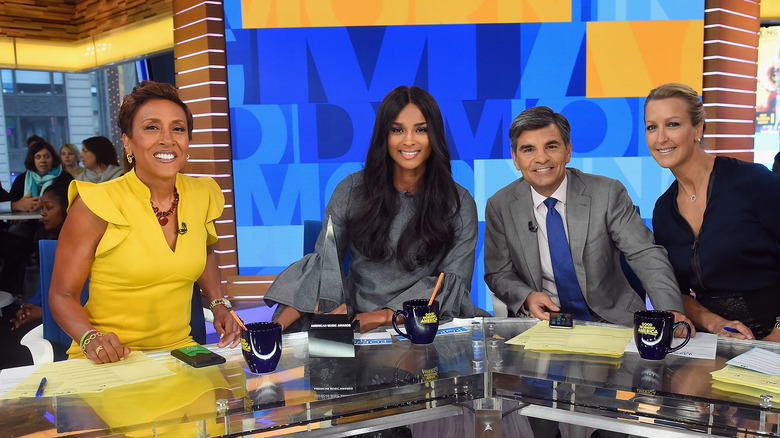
(647, 328)
(429, 318)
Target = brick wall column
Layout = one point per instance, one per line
(201, 77)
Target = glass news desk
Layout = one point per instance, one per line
(400, 384)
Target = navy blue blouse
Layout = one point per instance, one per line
(733, 267)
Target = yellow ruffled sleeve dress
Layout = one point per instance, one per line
(139, 288)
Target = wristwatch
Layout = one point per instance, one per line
(220, 301)
(777, 323)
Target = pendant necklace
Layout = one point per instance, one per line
(693, 197)
(162, 216)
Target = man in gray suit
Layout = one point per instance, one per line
(600, 222)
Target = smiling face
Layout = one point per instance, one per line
(408, 142)
(671, 136)
(541, 156)
(43, 161)
(159, 139)
(52, 212)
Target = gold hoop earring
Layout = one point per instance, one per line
(129, 158)
(188, 158)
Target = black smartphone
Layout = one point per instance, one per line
(561, 320)
(197, 356)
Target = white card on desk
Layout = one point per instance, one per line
(10, 377)
(701, 346)
(758, 359)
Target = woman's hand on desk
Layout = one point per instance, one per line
(732, 329)
(105, 349)
(226, 327)
(773, 336)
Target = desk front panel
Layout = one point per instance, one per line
(302, 394)
(675, 392)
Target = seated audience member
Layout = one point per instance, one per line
(70, 159)
(54, 211)
(404, 220)
(100, 160)
(719, 221)
(553, 237)
(31, 140)
(143, 239)
(43, 165)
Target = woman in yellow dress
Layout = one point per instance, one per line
(143, 239)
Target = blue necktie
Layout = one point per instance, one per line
(569, 291)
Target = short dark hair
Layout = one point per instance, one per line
(539, 117)
(31, 140)
(29, 159)
(104, 150)
(143, 92)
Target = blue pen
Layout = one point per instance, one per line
(731, 330)
(41, 387)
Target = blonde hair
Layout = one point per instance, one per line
(687, 94)
(72, 148)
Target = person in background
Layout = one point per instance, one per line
(101, 162)
(28, 316)
(776, 164)
(31, 140)
(143, 239)
(43, 166)
(70, 159)
(404, 220)
(719, 221)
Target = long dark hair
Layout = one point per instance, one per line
(430, 232)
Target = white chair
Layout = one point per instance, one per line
(40, 348)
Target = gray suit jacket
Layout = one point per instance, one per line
(602, 222)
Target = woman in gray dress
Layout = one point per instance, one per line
(403, 219)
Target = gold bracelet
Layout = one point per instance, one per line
(90, 338)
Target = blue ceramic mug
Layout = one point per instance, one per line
(420, 320)
(654, 331)
(261, 344)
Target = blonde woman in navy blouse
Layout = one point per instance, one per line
(719, 222)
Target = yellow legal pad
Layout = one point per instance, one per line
(80, 376)
(743, 376)
(581, 339)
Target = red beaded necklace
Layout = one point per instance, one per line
(162, 216)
